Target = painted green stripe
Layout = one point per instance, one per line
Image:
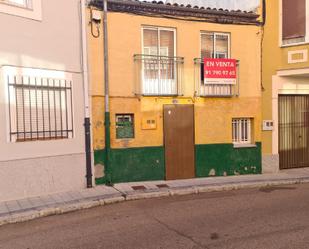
(148, 163)
(224, 159)
(137, 164)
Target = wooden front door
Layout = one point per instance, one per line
(179, 141)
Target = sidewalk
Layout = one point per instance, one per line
(35, 207)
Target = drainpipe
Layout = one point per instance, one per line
(107, 122)
(86, 96)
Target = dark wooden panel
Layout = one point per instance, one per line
(179, 141)
(293, 131)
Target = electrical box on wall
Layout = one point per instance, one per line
(149, 123)
(268, 125)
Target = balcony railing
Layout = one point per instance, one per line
(158, 75)
(213, 90)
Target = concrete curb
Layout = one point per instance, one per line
(24, 216)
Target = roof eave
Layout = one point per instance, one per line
(210, 15)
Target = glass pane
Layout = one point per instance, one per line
(222, 46)
(166, 49)
(207, 45)
(167, 43)
(150, 42)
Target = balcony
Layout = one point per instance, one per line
(213, 90)
(158, 75)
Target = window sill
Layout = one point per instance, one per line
(239, 146)
(294, 44)
(160, 95)
(217, 96)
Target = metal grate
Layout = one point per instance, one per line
(140, 187)
(293, 131)
(39, 108)
(241, 130)
(159, 75)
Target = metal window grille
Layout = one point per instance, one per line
(124, 126)
(242, 130)
(160, 75)
(39, 108)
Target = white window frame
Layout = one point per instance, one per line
(214, 46)
(158, 29)
(238, 138)
(215, 90)
(31, 10)
(281, 28)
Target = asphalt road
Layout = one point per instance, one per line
(256, 218)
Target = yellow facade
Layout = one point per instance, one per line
(125, 41)
(213, 116)
(280, 74)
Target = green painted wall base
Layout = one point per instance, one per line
(134, 164)
(225, 160)
(147, 163)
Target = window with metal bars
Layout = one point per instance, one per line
(159, 64)
(241, 130)
(39, 108)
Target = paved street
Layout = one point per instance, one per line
(275, 217)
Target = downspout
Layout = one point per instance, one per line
(107, 122)
(86, 96)
(262, 40)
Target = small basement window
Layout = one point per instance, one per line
(124, 126)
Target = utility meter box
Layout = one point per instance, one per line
(268, 125)
(149, 123)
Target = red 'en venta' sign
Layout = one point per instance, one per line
(220, 71)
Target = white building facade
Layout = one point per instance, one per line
(42, 107)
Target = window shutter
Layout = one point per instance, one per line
(293, 19)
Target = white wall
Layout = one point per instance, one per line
(54, 43)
